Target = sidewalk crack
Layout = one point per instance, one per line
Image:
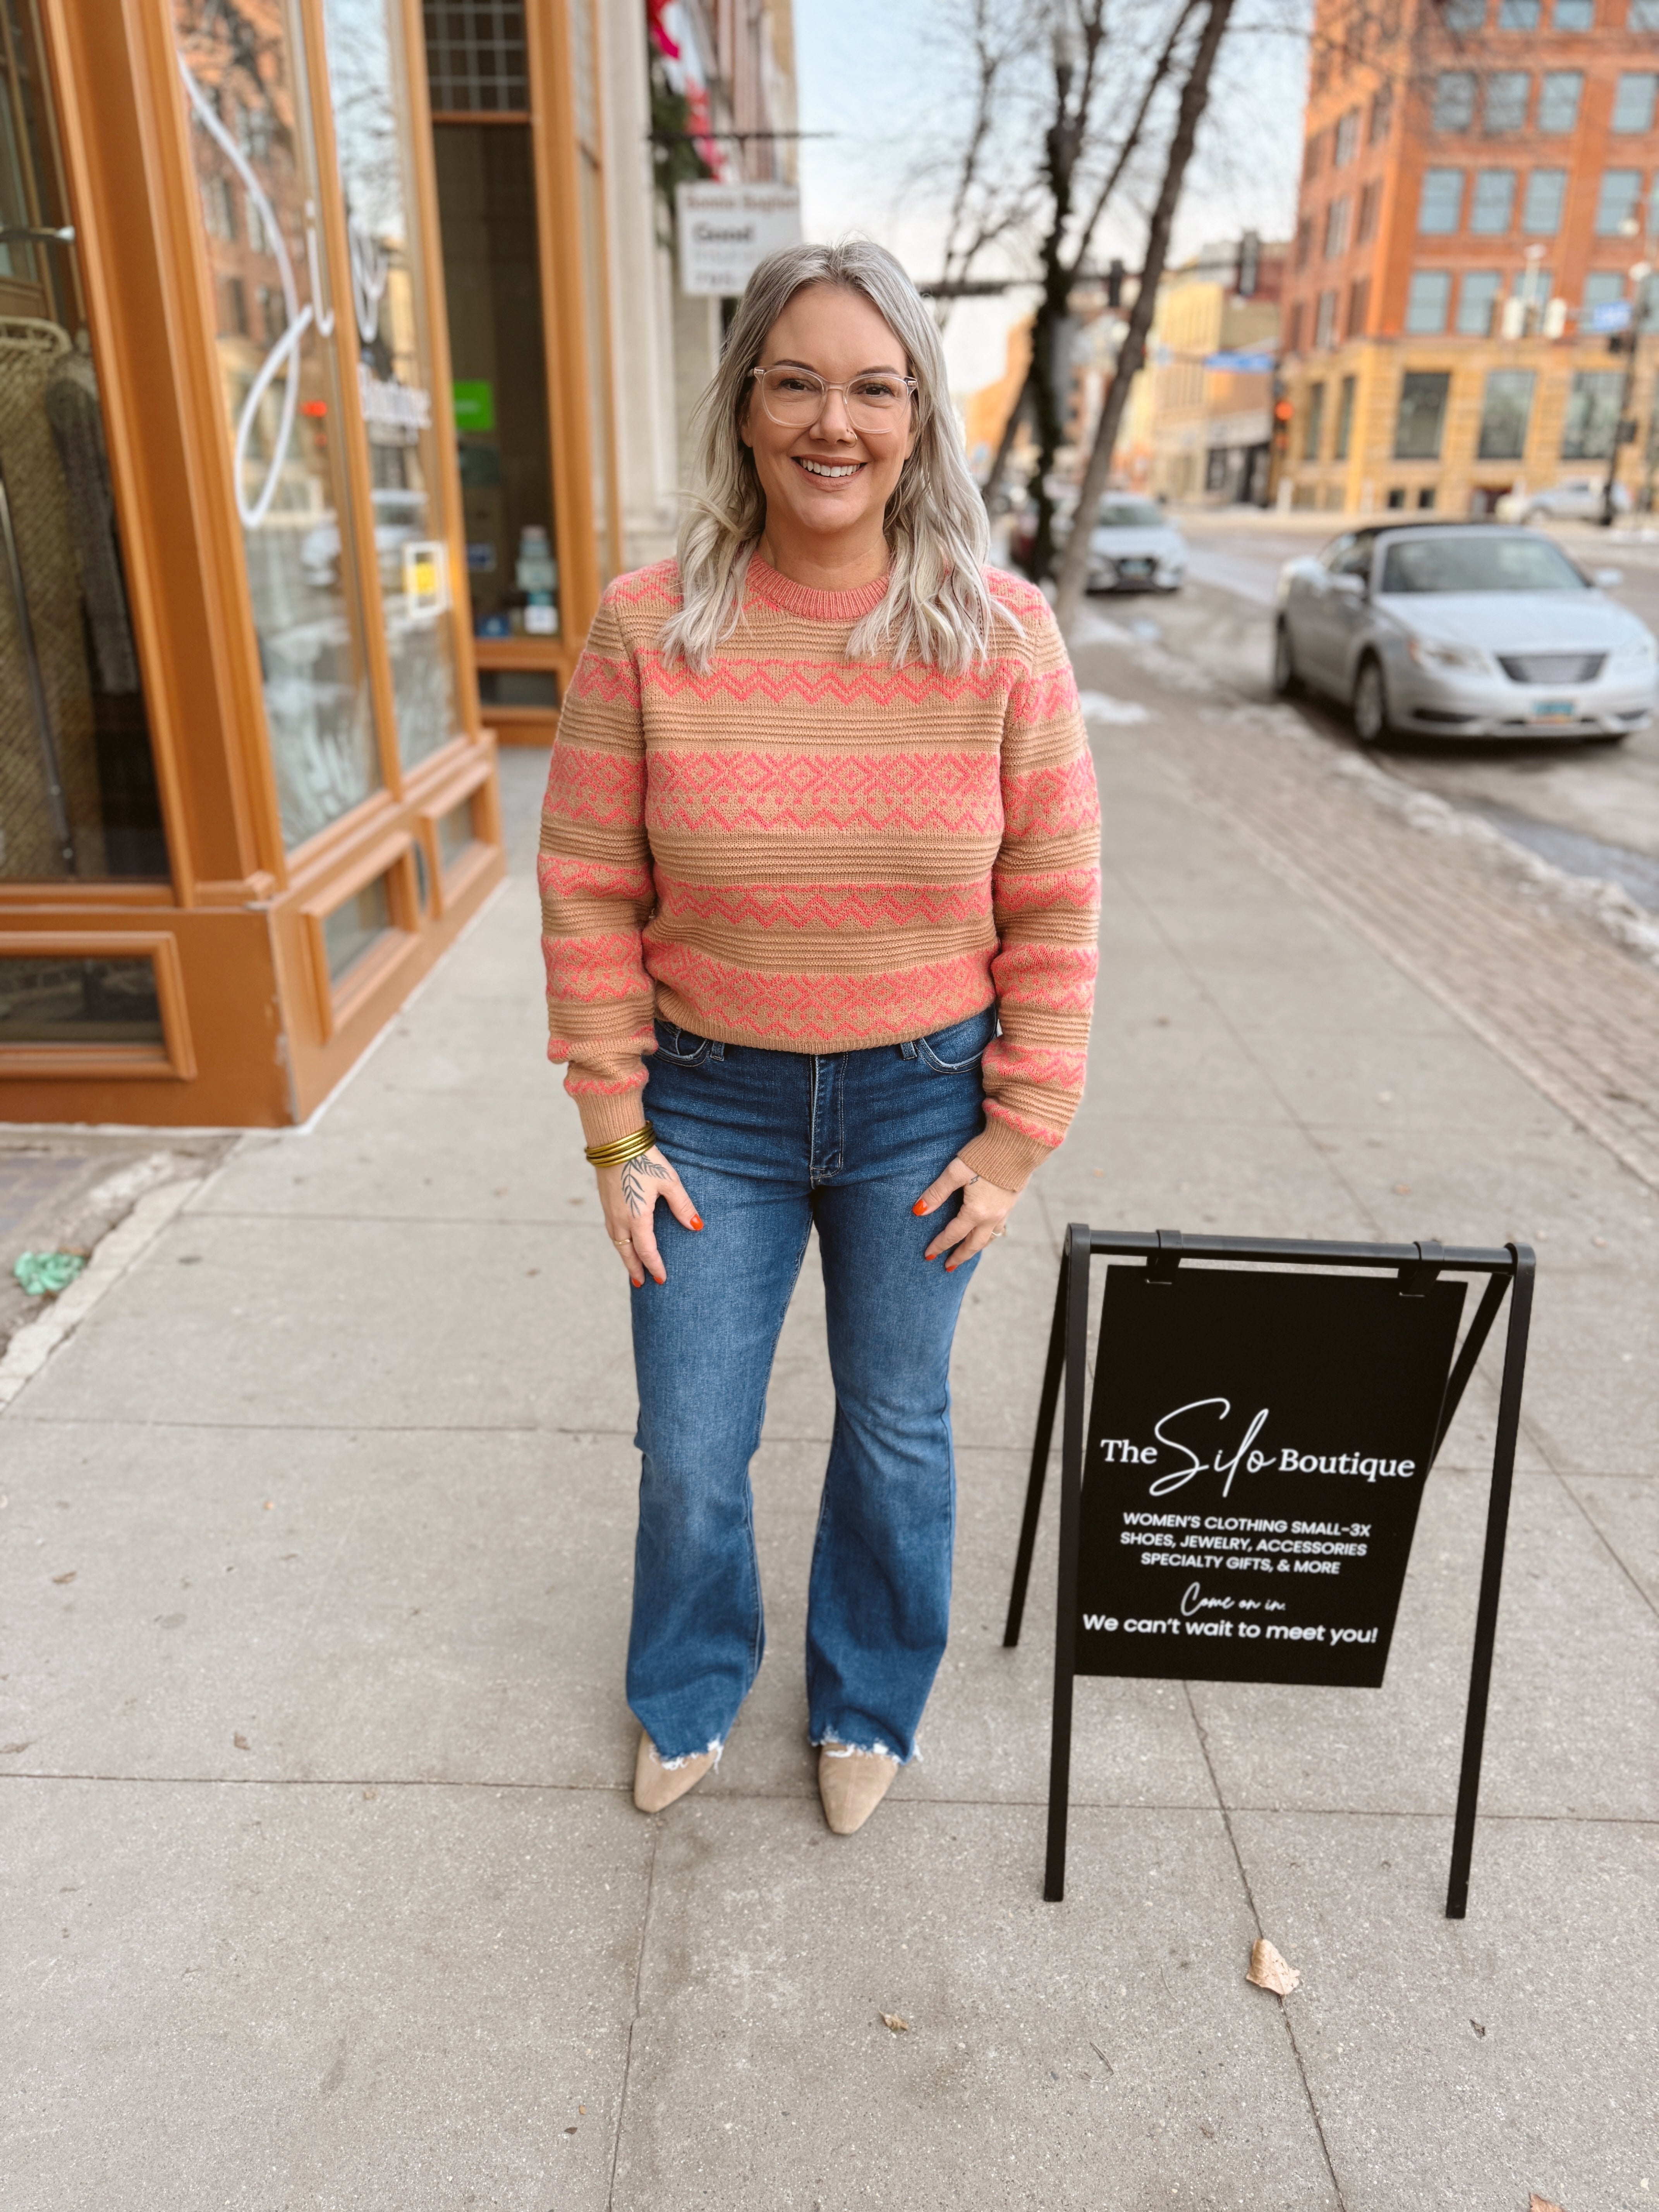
(633, 2015)
(1256, 1917)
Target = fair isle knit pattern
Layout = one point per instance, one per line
(816, 854)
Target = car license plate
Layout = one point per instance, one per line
(1554, 710)
(1134, 568)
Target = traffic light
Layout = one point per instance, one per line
(1115, 274)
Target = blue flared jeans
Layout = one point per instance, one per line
(770, 1145)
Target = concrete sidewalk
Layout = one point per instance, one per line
(323, 1884)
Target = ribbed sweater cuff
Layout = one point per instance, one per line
(609, 1114)
(1003, 1157)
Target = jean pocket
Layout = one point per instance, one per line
(679, 1046)
(949, 1051)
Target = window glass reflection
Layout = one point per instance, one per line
(243, 74)
(77, 784)
(367, 81)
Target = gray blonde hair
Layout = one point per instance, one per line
(937, 607)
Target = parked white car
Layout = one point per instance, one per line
(1574, 499)
(1135, 547)
(1463, 630)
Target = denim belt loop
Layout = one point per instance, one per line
(907, 1049)
(717, 1049)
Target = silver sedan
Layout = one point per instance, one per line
(1463, 630)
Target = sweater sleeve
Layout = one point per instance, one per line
(1045, 890)
(596, 894)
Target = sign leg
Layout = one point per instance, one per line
(1491, 1574)
(1045, 1429)
(1071, 1514)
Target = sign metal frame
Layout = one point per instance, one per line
(1509, 1271)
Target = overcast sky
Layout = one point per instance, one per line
(865, 73)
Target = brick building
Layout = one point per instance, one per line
(1479, 180)
(1199, 434)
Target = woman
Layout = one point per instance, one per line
(819, 880)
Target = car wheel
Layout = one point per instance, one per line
(1286, 677)
(1369, 709)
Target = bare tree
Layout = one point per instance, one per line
(1195, 98)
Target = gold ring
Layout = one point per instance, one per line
(622, 1244)
(1003, 1231)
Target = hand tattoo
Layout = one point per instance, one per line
(633, 1174)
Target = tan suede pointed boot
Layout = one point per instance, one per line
(852, 1784)
(656, 1785)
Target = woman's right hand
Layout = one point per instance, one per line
(628, 1194)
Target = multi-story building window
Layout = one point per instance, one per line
(1311, 156)
(1558, 100)
(1575, 14)
(1344, 436)
(1592, 417)
(1359, 300)
(1616, 202)
(1336, 227)
(1632, 104)
(1518, 14)
(1507, 93)
(1325, 320)
(1382, 108)
(1602, 288)
(1492, 205)
(1505, 411)
(1540, 210)
(1454, 101)
(1369, 197)
(1422, 414)
(1464, 14)
(1304, 240)
(1440, 210)
(1293, 336)
(1315, 422)
(1644, 16)
(1428, 302)
(1477, 302)
(1346, 145)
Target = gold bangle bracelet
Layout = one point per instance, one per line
(612, 1155)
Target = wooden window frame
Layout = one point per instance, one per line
(173, 1058)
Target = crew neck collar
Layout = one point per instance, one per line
(780, 591)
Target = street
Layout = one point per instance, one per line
(1591, 810)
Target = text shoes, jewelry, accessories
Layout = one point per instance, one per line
(852, 1784)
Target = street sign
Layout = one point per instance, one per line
(1610, 315)
(1242, 364)
(727, 230)
(1256, 1454)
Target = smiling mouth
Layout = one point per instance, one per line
(827, 472)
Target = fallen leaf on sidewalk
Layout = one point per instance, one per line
(1537, 2203)
(1479, 2026)
(69, 1578)
(1402, 1190)
(9, 1750)
(891, 2019)
(1269, 1970)
(241, 1744)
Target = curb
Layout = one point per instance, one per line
(33, 1345)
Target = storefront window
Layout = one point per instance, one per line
(77, 786)
(243, 78)
(367, 81)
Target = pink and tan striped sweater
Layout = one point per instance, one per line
(817, 855)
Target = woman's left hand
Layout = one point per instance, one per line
(984, 1209)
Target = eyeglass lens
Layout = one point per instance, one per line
(795, 397)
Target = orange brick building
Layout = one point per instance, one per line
(1480, 178)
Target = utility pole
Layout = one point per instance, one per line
(1641, 277)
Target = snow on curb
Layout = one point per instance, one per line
(32, 1346)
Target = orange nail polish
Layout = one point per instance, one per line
(696, 1221)
(919, 1207)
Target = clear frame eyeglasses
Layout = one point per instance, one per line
(795, 398)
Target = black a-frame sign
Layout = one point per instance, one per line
(1240, 1505)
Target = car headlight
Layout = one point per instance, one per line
(1427, 654)
(1631, 659)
